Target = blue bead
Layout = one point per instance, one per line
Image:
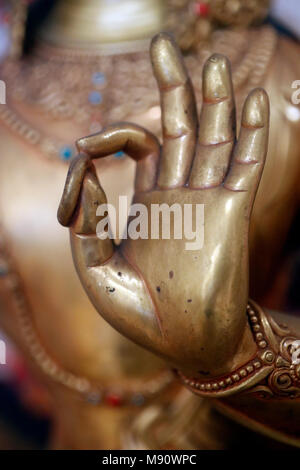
(3, 271)
(119, 154)
(138, 399)
(94, 398)
(95, 97)
(98, 78)
(66, 152)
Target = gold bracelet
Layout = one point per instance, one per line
(273, 371)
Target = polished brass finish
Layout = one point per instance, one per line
(77, 354)
(271, 372)
(209, 289)
(239, 12)
(78, 23)
(194, 22)
(200, 295)
(99, 23)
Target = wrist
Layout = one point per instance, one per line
(269, 371)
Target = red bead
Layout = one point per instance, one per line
(113, 399)
(201, 9)
(6, 18)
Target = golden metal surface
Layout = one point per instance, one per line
(190, 309)
(97, 22)
(130, 23)
(56, 318)
(208, 290)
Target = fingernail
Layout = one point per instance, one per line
(256, 109)
(216, 78)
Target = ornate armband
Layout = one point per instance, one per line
(273, 371)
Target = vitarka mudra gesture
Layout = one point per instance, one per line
(191, 307)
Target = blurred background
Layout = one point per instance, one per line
(25, 406)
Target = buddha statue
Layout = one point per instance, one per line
(78, 78)
(193, 308)
(92, 393)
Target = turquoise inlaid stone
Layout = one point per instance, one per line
(66, 152)
(119, 154)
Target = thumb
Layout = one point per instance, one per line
(85, 220)
(72, 188)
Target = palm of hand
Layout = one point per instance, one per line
(187, 305)
(190, 287)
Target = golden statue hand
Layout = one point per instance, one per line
(187, 305)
